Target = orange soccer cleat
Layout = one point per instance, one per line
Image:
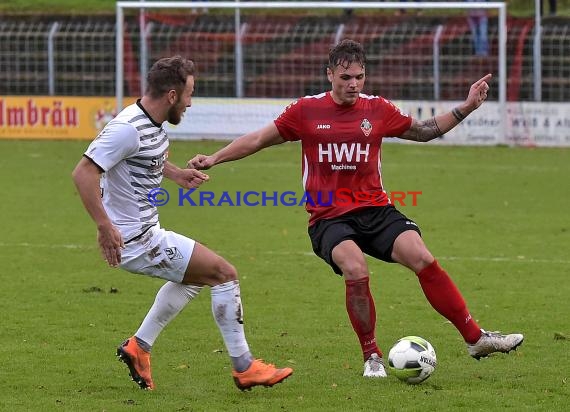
(138, 362)
(260, 373)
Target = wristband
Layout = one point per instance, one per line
(457, 114)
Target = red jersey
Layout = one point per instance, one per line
(341, 150)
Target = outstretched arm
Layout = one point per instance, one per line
(424, 131)
(241, 147)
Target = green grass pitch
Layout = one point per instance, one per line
(496, 218)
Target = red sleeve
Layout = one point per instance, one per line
(396, 121)
(289, 121)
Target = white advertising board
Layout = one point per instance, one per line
(527, 123)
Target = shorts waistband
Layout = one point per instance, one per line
(138, 237)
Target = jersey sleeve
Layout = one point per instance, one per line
(289, 121)
(117, 141)
(396, 121)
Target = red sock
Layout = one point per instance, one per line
(362, 314)
(444, 296)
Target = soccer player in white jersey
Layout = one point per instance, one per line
(115, 179)
(341, 133)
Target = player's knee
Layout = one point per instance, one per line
(413, 253)
(224, 272)
(354, 270)
(422, 261)
(426, 258)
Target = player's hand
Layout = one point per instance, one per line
(478, 92)
(111, 243)
(191, 178)
(200, 162)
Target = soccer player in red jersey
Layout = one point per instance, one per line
(341, 133)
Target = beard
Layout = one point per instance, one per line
(173, 115)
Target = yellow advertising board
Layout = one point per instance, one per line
(55, 117)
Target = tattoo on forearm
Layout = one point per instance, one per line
(430, 130)
(457, 114)
(423, 131)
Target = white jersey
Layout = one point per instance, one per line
(131, 150)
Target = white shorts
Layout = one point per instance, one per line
(158, 253)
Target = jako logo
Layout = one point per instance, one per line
(343, 152)
(323, 126)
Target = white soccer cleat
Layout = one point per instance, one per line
(374, 367)
(491, 342)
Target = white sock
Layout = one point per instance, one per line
(228, 313)
(169, 301)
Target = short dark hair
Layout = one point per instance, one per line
(345, 53)
(169, 73)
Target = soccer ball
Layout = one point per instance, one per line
(412, 359)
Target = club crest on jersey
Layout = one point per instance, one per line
(173, 253)
(366, 127)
